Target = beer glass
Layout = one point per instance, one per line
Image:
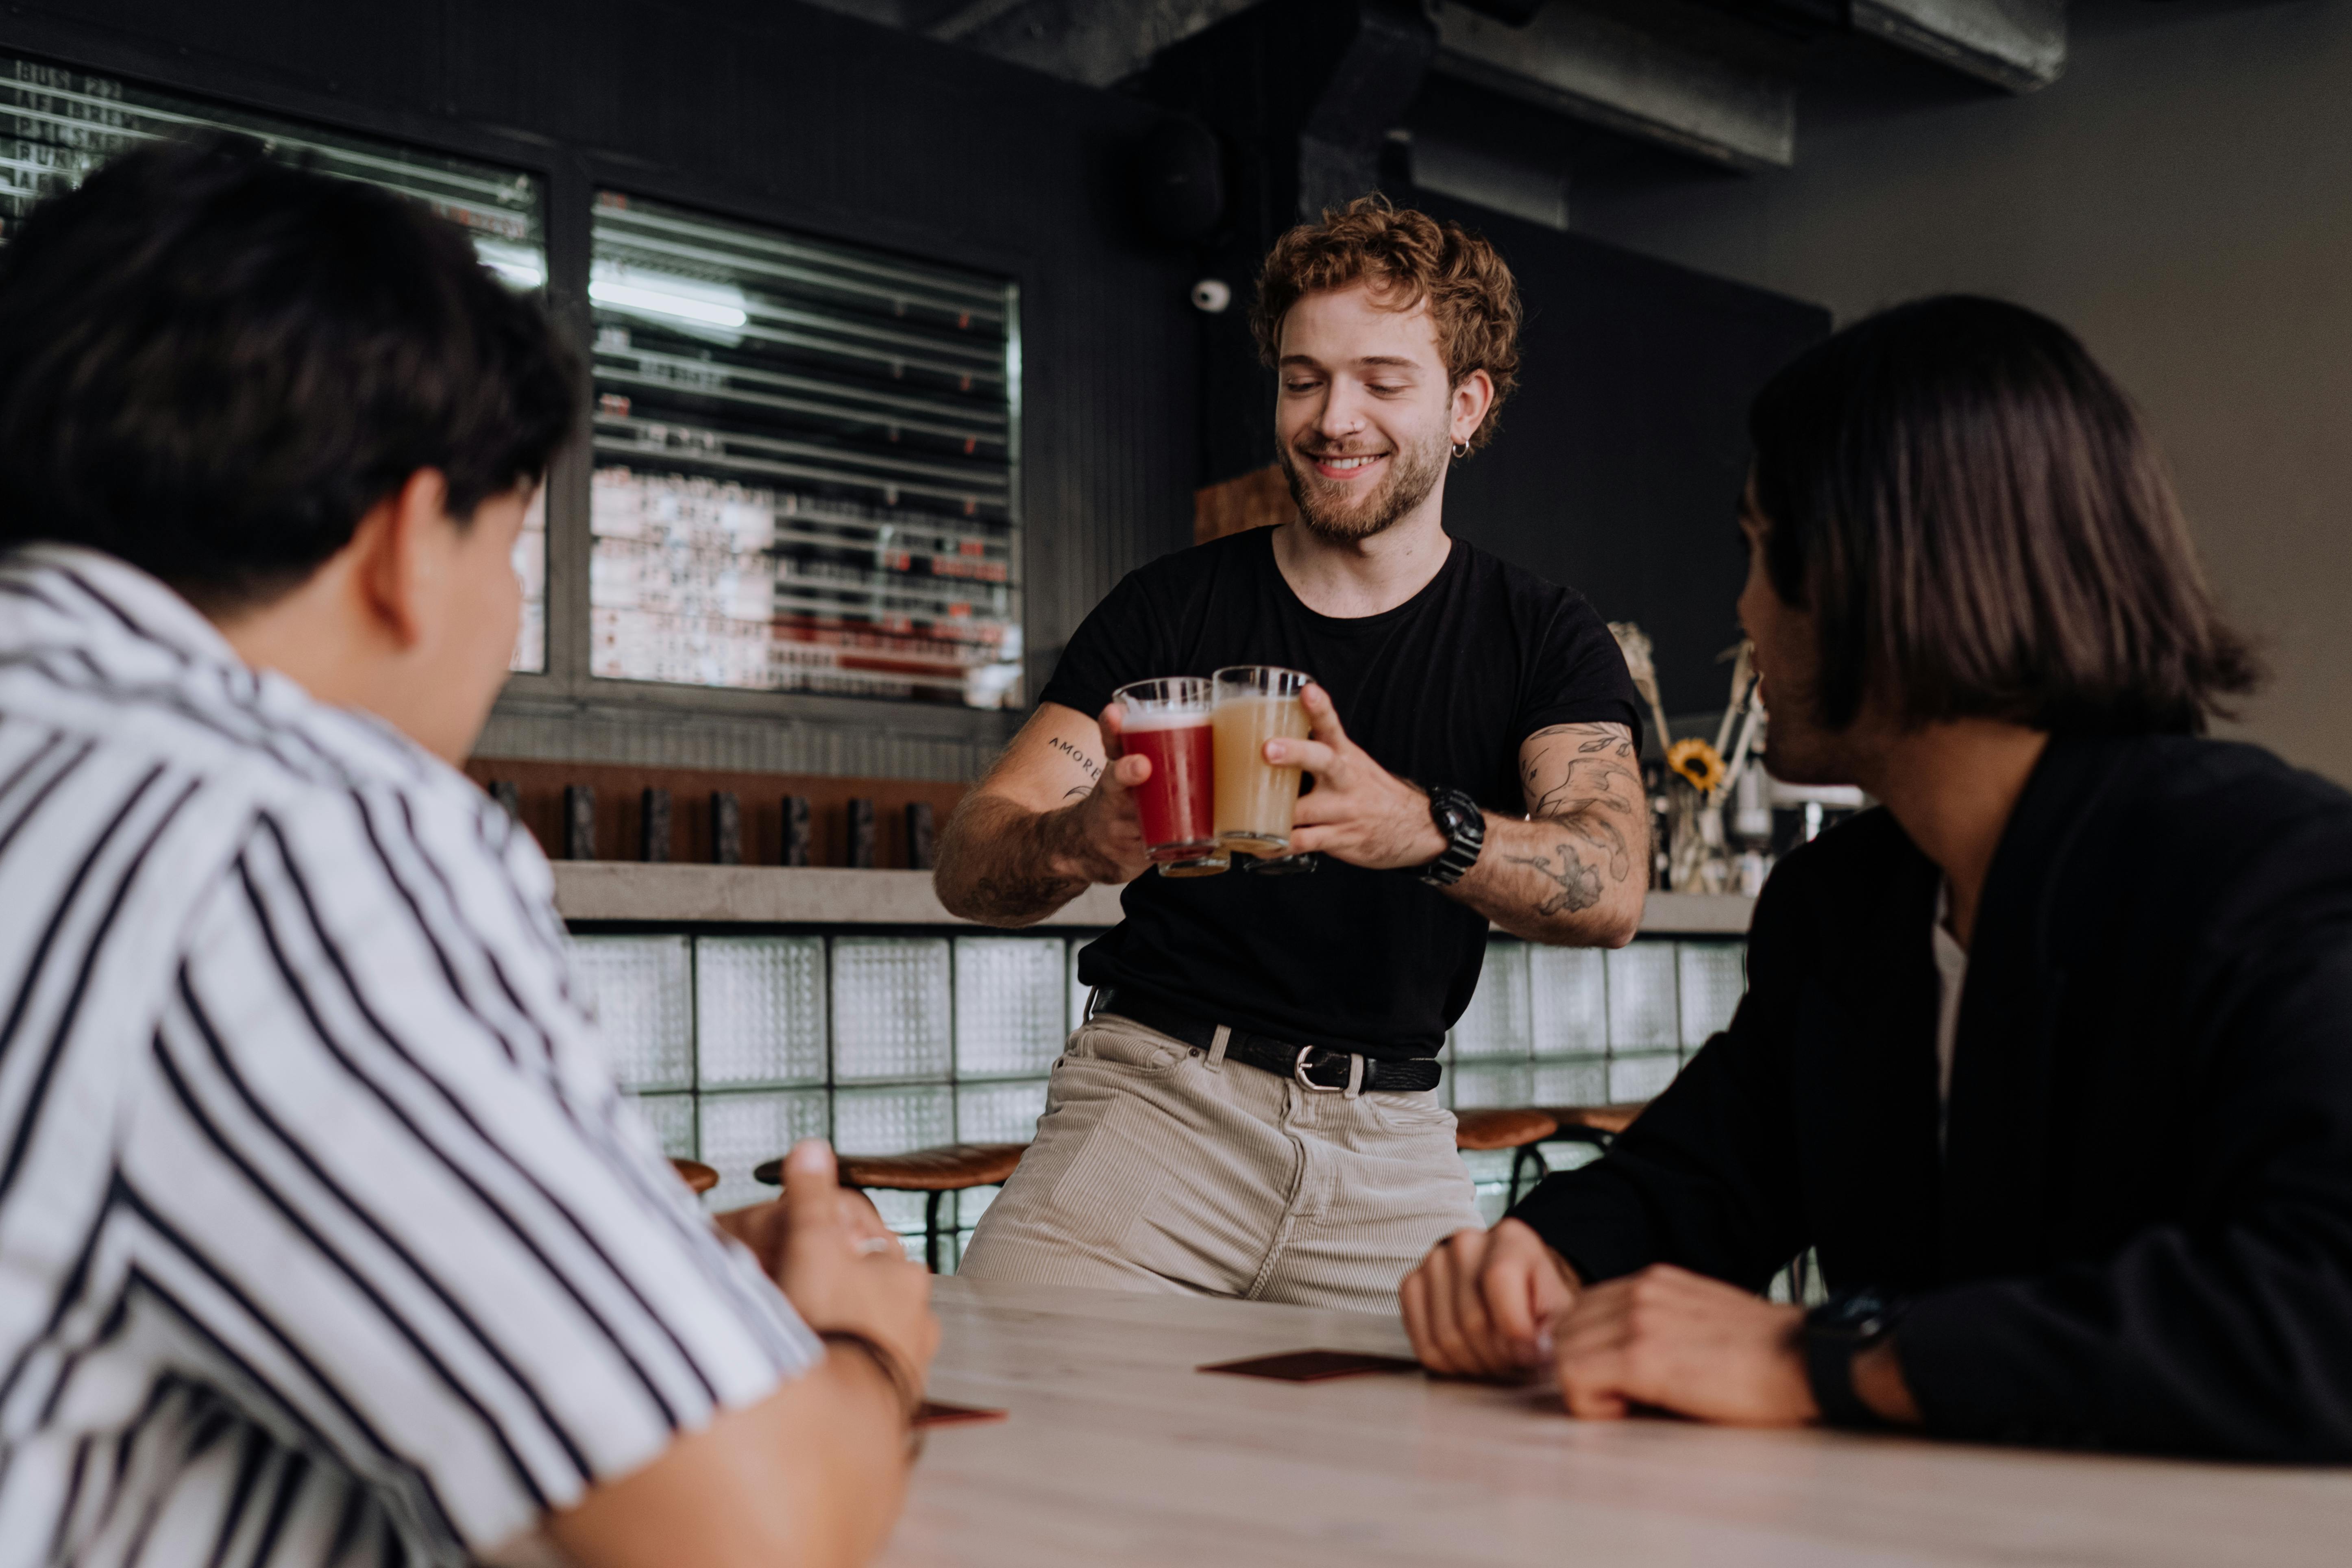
(1256, 703)
(1167, 721)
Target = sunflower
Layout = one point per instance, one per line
(1699, 762)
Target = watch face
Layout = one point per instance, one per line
(1864, 1314)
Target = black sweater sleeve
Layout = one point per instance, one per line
(1707, 1177)
(2228, 1329)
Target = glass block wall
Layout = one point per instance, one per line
(57, 125)
(736, 1047)
(1557, 1025)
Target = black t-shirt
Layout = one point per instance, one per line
(1441, 690)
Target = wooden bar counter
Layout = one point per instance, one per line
(1118, 1452)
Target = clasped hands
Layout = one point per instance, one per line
(1499, 1303)
(1357, 811)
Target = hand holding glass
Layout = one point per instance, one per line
(1256, 703)
(1168, 722)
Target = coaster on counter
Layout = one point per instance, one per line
(938, 1412)
(1313, 1366)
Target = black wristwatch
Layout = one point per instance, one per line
(1836, 1331)
(1465, 825)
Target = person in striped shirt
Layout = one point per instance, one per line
(324, 1235)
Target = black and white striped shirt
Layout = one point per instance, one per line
(324, 1235)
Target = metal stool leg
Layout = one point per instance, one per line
(1521, 1157)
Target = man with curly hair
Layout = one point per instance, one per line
(1251, 1107)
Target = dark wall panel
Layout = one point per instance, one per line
(1620, 460)
(784, 114)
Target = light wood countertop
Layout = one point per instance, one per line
(1118, 1452)
(828, 894)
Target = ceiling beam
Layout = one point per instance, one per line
(2017, 44)
(1096, 42)
(1610, 72)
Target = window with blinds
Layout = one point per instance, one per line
(805, 464)
(57, 125)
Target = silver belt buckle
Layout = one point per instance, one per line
(1298, 1071)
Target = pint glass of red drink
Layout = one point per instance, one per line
(1167, 721)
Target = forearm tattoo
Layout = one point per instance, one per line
(1094, 770)
(1584, 779)
(1579, 884)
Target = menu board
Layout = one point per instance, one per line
(805, 465)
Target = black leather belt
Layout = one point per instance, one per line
(1317, 1067)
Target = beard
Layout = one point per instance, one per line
(1413, 472)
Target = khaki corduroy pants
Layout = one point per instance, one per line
(1157, 1169)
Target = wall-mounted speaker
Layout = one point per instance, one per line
(1180, 181)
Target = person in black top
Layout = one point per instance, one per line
(1250, 1109)
(2049, 1060)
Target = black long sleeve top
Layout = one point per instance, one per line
(2139, 1233)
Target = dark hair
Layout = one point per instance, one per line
(1974, 515)
(212, 365)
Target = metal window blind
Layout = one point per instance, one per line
(58, 126)
(805, 464)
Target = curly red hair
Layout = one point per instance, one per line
(1408, 256)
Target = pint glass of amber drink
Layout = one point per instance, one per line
(1256, 703)
(1167, 721)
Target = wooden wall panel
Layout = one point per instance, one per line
(620, 792)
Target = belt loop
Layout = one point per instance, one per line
(1355, 1075)
(1217, 1062)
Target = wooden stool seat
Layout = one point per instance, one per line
(695, 1174)
(949, 1168)
(1502, 1129)
(1609, 1119)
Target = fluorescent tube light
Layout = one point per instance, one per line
(661, 302)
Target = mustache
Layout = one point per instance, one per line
(1306, 451)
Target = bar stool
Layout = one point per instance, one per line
(695, 1174)
(1595, 1124)
(935, 1173)
(1518, 1130)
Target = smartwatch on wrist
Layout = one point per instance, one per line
(1459, 819)
(1835, 1332)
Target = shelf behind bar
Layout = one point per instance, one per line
(828, 894)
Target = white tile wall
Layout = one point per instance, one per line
(1641, 999)
(1010, 1000)
(1496, 1022)
(890, 1008)
(639, 989)
(1639, 1077)
(671, 1115)
(999, 1112)
(739, 1131)
(760, 1008)
(1714, 975)
(741, 1046)
(895, 1120)
(1568, 1014)
(1487, 1085)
